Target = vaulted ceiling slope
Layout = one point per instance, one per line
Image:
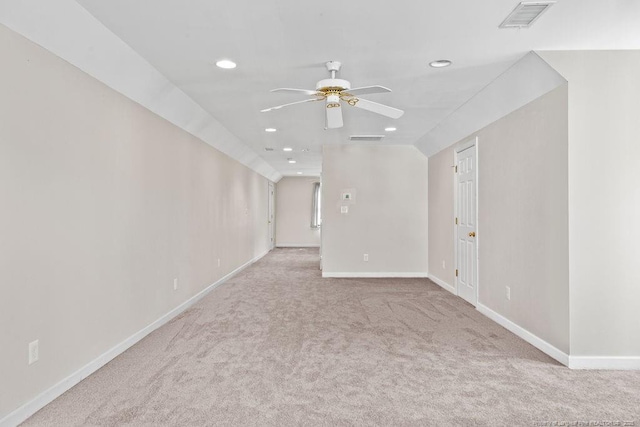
(285, 43)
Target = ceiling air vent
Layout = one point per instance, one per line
(525, 14)
(268, 149)
(366, 137)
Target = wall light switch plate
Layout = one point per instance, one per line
(366, 257)
(344, 209)
(34, 352)
(175, 284)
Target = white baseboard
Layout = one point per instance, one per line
(532, 339)
(296, 245)
(369, 274)
(605, 362)
(444, 285)
(28, 409)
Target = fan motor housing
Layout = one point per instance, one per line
(332, 85)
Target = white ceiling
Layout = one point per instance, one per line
(285, 43)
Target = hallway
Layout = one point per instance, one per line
(278, 345)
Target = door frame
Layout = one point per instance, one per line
(471, 142)
(271, 215)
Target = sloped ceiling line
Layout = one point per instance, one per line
(528, 79)
(66, 29)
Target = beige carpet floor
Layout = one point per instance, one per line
(278, 345)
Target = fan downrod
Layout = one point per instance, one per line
(333, 67)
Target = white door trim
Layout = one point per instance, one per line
(271, 215)
(461, 146)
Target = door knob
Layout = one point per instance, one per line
(472, 234)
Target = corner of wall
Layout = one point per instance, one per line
(527, 79)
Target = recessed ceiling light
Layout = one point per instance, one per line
(390, 129)
(440, 63)
(270, 129)
(287, 149)
(226, 64)
(291, 161)
(299, 173)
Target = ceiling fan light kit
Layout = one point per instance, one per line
(333, 91)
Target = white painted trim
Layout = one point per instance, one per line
(28, 409)
(467, 143)
(532, 339)
(271, 215)
(297, 245)
(472, 142)
(379, 274)
(605, 362)
(444, 285)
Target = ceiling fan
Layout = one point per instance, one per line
(335, 90)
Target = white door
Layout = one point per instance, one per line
(271, 216)
(466, 225)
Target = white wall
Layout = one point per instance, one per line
(103, 205)
(293, 213)
(387, 217)
(604, 199)
(522, 217)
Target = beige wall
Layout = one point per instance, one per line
(387, 217)
(103, 205)
(293, 212)
(604, 199)
(441, 217)
(522, 217)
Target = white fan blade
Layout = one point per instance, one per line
(288, 89)
(334, 117)
(286, 105)
(374, 107)
(365, 90)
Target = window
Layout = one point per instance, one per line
(316, 219)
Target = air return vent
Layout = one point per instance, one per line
(525, 14)
(366, 137)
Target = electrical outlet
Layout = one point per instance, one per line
(344, 209)
(366, 257)
(175, 284)
(34, 352)
(508, 293)
(443, 265)
(219, 260)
